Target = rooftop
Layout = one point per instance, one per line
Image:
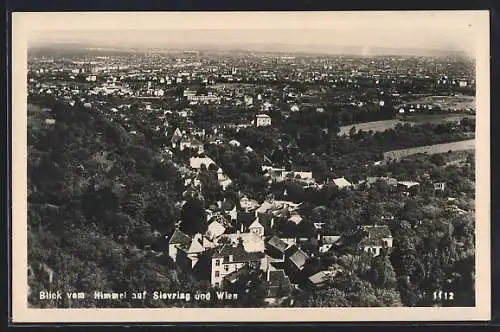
(251, 241)
(320, 277)
(179, 237)
(277, 243)
(278, 281)
(237, 253)
(297, 256)
(341, 182)
(196, 162)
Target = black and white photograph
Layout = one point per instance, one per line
(250, 166)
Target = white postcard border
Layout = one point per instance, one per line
(24, 23)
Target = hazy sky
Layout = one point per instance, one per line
(314, 31)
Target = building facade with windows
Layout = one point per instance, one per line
(229, 259)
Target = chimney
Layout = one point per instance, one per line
(272, 222)
(230, 258)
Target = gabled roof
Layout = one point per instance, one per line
(195, 247)
(179, 237)
(264, 207)
(256, 224)
(177, 132)
(278, 281)
(276, 277)
(320, 277)
(277, 243)
(215, 229)
(297, 256)
(341, 182)
(408, 184)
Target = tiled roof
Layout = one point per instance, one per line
(179, 237)
(277, 243)
(341, 182)
(320, 277)
(297, 256)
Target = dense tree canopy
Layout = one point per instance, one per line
(95, 200)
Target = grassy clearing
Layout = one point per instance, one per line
(466, 145)
(435, 118)
(446, 102)
(383, 125)
(376, 126)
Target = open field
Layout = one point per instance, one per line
(383, 125)
(435, 118)
(376, 126)
(431, 149)
(446, 102)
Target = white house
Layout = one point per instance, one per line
(196, 162)
(256, 227)
(262, 120)
(230, 259)
(378, 237)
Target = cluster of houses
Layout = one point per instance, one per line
(241, 240)
(196, 164)
(226, 255)
(182, 141)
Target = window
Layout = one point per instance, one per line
(217, 262)
(217, 274)
(226, 267)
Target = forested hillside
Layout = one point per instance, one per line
(99, 206)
